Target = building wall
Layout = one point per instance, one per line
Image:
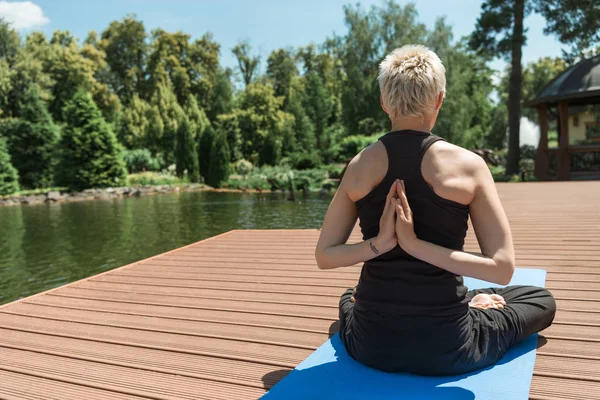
(577, 133)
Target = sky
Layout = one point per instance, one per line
(266, 24)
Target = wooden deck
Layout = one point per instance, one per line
(228, 317)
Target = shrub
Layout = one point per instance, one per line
(140, 160)
(352, 145)
(153, 178)
(90, 153)
(527, 151)
(304, 160)
(243, 167)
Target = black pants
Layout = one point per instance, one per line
(449, 345)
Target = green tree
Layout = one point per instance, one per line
(219, 160)
(165, 101)
(221, 100)
(9, 177)
(247, 63)
(191, 68)
(90, 154)
(536, 75)
(28, 72)
(186, 156)
(497, 135)
(32, 139)
(204, 147)
(262, 124)
(124, 43)
(281, 69)
(318, 104)
(10, 41)
(371, 36)
(196, 116)
(500, 32)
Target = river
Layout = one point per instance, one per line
(49, 245)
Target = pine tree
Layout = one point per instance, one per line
(9, 177)
(32, 141)
(204, 148)
(90, 154)
(219, 160)
(186, 157)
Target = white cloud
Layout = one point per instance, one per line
(529, 133)
(23, 14)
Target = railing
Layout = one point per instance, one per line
(581, 160)
(585, 162)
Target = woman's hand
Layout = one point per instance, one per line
(386, 240)
(405, 231)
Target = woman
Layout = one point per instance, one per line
(413, 194)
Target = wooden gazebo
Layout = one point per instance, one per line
(573, 100)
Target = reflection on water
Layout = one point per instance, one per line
(46, 246)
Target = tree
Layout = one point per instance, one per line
(219, 160)
(165, 101)
(247, 64)
(32, 139)
(221, 97)
(281, 69)
(28, 73)
(9, 177)
(191, 68)
(90, 154)
(371, 36)
(318, 104)
(262, 124)
(536, 75)
(9, 41)
(500, 32)
(124, 43)
(204, 147)
(186, 156)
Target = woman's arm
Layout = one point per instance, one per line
(497, 262)
(341, 216)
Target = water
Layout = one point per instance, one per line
(45, 246)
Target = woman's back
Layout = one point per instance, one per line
(395, 282)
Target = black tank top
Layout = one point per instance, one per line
(395, 282)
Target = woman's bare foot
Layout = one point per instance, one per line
(484, 301)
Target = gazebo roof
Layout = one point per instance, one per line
(579, 82)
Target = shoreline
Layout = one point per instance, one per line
(55, 196)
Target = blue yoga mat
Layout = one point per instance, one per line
(330, 373)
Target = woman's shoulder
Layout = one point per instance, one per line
(365, 171)
(452, 171)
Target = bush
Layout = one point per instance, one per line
(277, 178)
(335, 171)
(304, 160)
(370, 127)
(352, 145)
(243, 167)
(527, 166)
(153, 178)
(140, 160)
(90, 153)
(527, 151)
(9, 177)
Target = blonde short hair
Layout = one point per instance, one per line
(410, 80)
